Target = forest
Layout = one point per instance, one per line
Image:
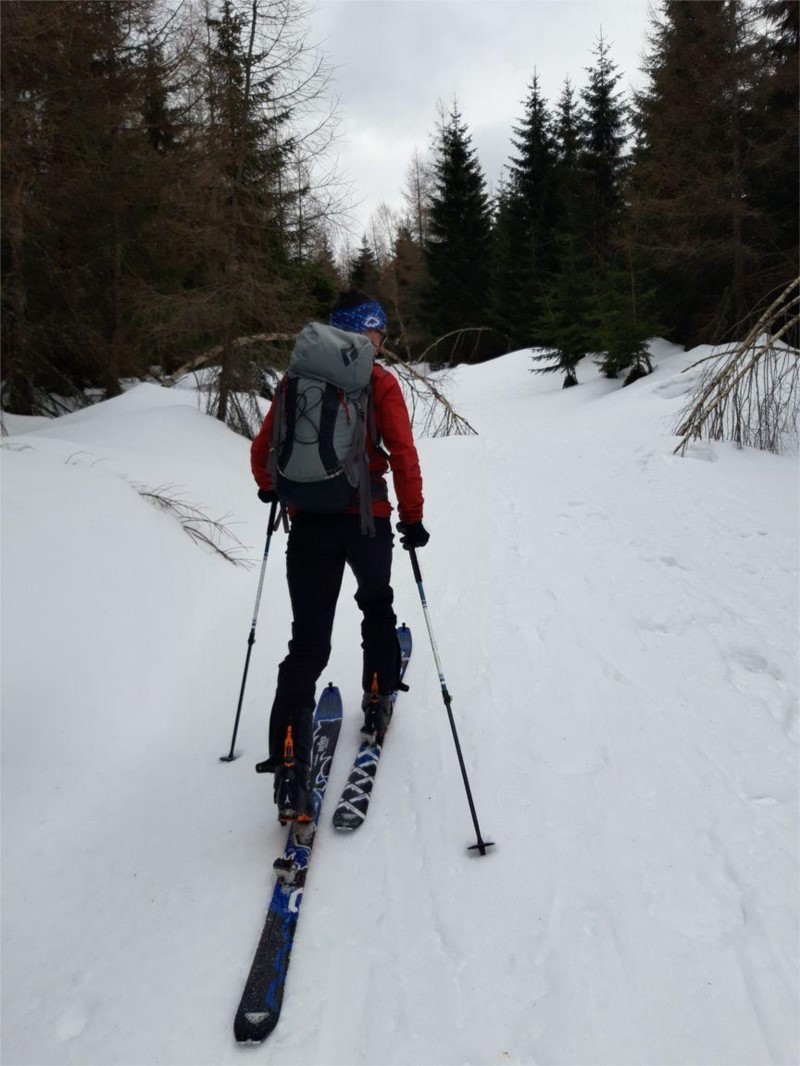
(169, 198)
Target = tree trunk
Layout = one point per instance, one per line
(19, 392)
(232, 270)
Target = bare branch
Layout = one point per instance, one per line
(438, 416)
(212, 532)
(750, 394)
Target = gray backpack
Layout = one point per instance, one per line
(318, 458)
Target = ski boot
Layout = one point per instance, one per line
(294, 796)
(377, 708)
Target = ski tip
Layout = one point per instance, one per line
(253, 1027)
(481, 848)
(345, 827)
(256, 1017)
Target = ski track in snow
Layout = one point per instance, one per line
(618, 628)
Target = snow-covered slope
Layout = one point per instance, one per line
(618, 627)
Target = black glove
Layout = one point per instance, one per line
(414, 535)
(268, 495)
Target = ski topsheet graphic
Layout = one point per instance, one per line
(262, 998)
(351, 810)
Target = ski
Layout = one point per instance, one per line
(261, 1001)
(351, 810)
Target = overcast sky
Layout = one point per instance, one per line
(395, 59)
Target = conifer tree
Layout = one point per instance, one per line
(76, 77)
(505, 264)
(158, 197)
(567, 326)
(409, 276)
(622, 303)
(567, 125)
(526, 217)
(624, 312)
(569, 316)
(603, 137)
(319, 274)
(364, 270)
(774, 185)
(699, 226)
(26, 39)
(250, 237)
(457, 252)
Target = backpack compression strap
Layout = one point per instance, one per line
(356, 465)
(277, 419)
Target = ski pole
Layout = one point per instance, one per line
(482, 844)
(274, 522)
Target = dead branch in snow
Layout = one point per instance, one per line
(750, 394)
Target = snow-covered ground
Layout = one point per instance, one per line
(619, 629)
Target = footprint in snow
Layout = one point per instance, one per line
(682, 903)
(752, 673)
(577, 763)
(72, 1022)
(671, 561)
(679, 386)
(703, 451)
(753, 663)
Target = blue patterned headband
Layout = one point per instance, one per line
(360, 319)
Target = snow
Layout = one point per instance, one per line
(618, 627)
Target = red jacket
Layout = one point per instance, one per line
(394, 429)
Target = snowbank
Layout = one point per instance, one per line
(619, 630)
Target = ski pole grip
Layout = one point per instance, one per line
(415, 564)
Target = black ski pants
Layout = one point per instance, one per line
(318, 547)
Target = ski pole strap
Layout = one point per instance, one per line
(280, 519)
(274, 519)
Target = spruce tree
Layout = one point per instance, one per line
(364, 271)
(569, 316)
(624, 312)
(774, 188)
(622, 300)
(318, 273)
(699, 227)
(459, 233)
(567, 326)
(526, 218)
(603, 138)
(505, 256)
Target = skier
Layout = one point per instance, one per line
(319, 545)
